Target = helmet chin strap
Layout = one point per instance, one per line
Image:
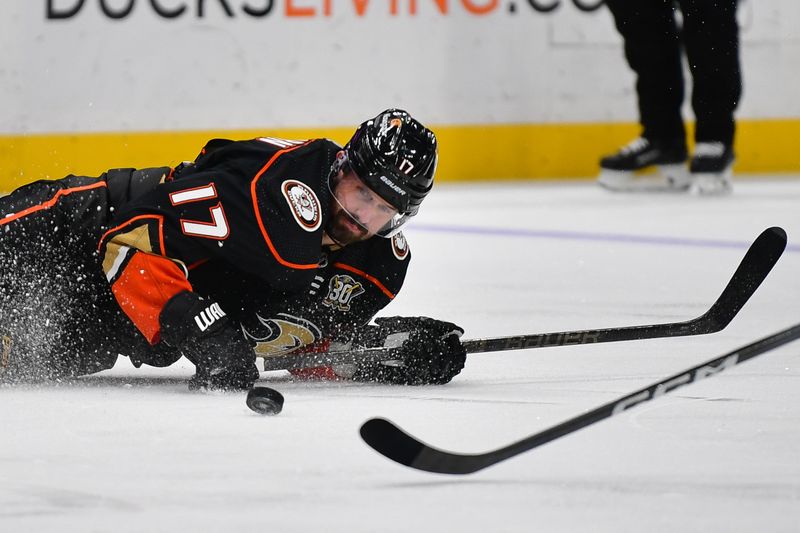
(341, 158)
(335, 245)
(336, 242)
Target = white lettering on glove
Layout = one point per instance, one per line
(208, 316)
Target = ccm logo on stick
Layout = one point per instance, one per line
(674, 383)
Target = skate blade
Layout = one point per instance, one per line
(665, 178)
(712, 184)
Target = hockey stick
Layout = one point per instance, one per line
(389, 440)
(754, 268)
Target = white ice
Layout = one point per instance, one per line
(133, 450)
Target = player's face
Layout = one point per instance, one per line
(358, 212)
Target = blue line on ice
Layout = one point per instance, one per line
(584, 236)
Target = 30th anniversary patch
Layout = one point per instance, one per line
(342, 289)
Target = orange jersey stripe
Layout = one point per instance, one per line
(51, 202)
(143, 289)
(196, 264)
(281, 260)
(364, 275)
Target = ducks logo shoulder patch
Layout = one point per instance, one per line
(399, 246)
(303, 203)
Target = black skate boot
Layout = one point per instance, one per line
(628, 169)
(711, 169)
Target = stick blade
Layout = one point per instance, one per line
(751, 272)
(389, 440)
(393, 443)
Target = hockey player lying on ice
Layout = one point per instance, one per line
(257, 247)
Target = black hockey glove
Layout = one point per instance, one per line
(224, 360)
(429, 351)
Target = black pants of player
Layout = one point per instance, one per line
(56, 307)
(653, 44)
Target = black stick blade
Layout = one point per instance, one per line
(751, 272)
(754, 268)
(387, 439)
(395, 444)
(392, 442)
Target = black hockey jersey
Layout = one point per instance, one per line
(243, 225)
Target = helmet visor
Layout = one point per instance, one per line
(367, 212)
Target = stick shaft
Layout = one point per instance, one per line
(386, 438)
(751, 272)
(651, 392)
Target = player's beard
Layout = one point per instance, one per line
(344, 229)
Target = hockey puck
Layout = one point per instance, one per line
(265, 401)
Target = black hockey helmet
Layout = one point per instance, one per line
(395, 156)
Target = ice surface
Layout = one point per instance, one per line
(133, 450)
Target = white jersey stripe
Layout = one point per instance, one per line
(122, 253)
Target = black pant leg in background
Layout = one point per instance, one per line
(653, 51)
(711, 36)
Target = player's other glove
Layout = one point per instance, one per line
(224, 360)
(428, 351)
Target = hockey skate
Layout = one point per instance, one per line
(645, 165)
(711, 169)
